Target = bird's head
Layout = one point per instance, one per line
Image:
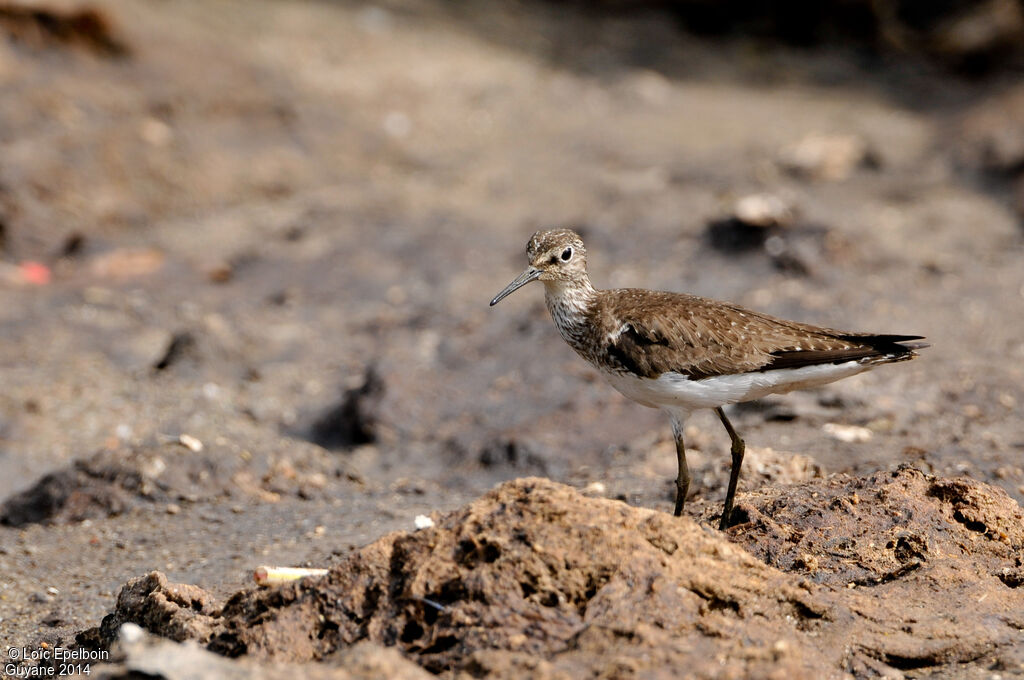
(555, 255)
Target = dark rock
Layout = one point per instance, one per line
(754, 219)
(1018, 198)
(732, 235)
(354, 419)
(182, 344)
(764, 224)
(42, 26)
(511, 452)
(82, 491)
(171, 610)
(792, 252)
(991, 145)
(72, 245)
(56, 617)
(109, 483)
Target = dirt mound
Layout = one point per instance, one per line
(110, 482)
(173, 610)
(534, 577)
(535, 570)
(935, 562)
(104, 484)
(874, 529)
(40, 27)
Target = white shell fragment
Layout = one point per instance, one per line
(852, 434)
(191, 443)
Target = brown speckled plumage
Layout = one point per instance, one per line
(701, 338)
(679, 352)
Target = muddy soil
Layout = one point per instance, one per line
(246, 250)
(536, 579)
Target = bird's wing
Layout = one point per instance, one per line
(651, 333)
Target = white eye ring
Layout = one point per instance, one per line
(567, 254)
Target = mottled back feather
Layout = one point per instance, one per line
(649, 333)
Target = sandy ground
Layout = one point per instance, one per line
(257, 205)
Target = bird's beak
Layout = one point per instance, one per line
(531, 274)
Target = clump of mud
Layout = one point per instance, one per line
(354, 419)
(40, 27)
(876, 529)
(106, 483)
(535, 578)
(113, 481)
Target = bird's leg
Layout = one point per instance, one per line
(683, 478)
(734, 474)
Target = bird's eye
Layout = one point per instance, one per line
(566, 254)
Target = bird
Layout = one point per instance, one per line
(679, 352)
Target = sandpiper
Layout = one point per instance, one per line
(680, 352)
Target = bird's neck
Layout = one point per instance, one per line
(569, 302)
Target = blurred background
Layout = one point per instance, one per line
(246, 251)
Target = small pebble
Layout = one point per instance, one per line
(153, 467)
(853, 434)
(764, 210)
(423, 522)
(220, 272)
(130, 633)
(190, 443)
(155, 132)
(397, 124)
(173, 508)
(830, 157)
